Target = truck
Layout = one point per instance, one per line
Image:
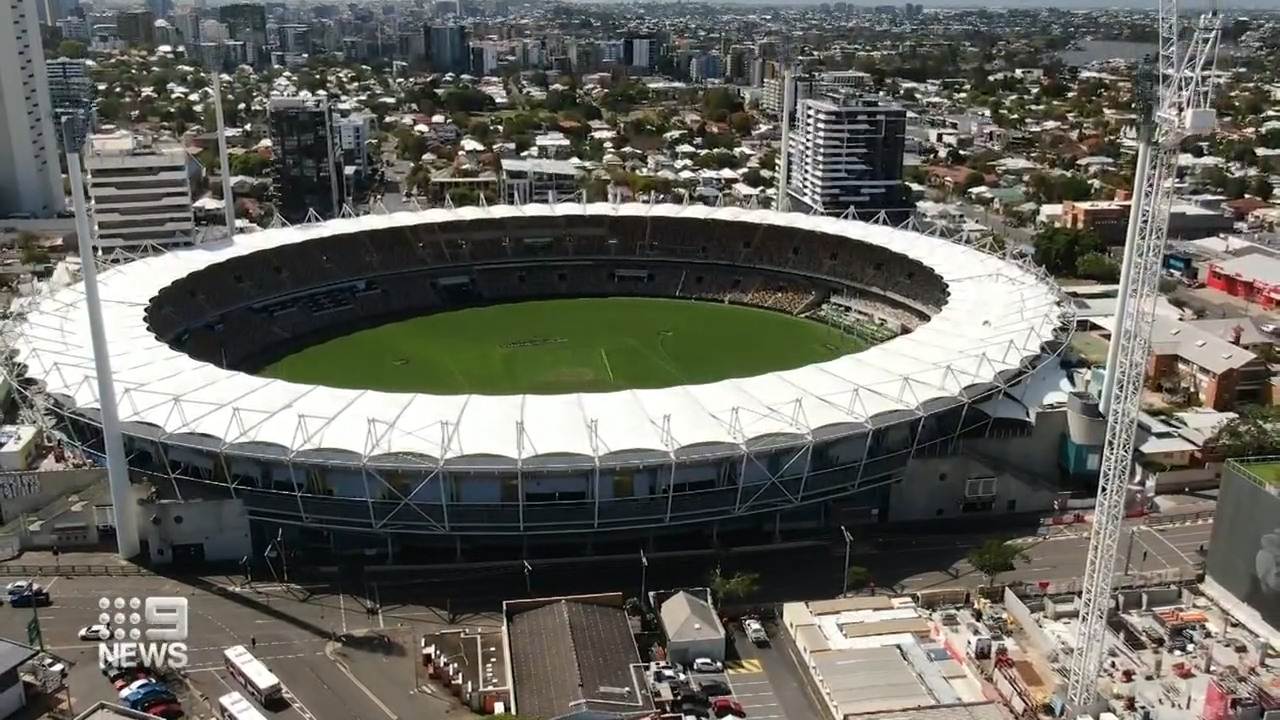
(755, 631)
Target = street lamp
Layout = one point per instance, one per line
(528, 578)
(848, 550)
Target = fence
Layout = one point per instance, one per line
(35, 571)
(1156, 578)
(1177, 518)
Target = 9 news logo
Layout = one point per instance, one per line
(150, 632)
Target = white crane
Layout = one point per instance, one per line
(1173, 104)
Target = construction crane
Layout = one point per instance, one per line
(1174, 102)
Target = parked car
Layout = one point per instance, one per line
(723, 707)
(714, 688)
(693, 709)
(707, 665)
(51, 666)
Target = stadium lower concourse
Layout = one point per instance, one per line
(939, 360)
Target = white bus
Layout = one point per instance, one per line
(255, 676)
(234, 706)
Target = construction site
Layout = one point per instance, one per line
(1171, 653)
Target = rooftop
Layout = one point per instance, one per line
(1264, 470)
(685, 616)
(873, 655)
(108, 711)
(1203, 349)
(14, 655)
(573, 655)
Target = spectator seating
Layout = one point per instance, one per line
(253, 309)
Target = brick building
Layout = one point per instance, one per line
(1217, 370)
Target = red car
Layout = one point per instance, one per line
(723, 707)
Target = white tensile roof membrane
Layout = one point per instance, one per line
(998, 314)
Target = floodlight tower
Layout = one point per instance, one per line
(123, 501)
(1174, 104)
(783, 201)
(228, 197)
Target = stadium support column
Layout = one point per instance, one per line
(783, 202)
(224, 160)
(122, 499)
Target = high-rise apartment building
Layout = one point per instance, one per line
(640, 53)
(137, 27)
(74, 28)
(30, 182)
(447, 48)
(71, 96)
(846, 154)
(306, 160)
(247, 23)
(139, 191)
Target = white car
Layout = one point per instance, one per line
(95, 633)
(19, 586)
(707, 665)
(51, 666)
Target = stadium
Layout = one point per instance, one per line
(643, 424)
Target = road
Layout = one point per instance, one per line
(1060, 559)
(293, 626)
(993, 220)
(291, 635)
(909, 563)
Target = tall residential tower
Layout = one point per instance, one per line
(846, 153)
(30, 181)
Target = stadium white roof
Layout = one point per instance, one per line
(998, 314)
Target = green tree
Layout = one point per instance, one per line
(996, 556)
(252, 164)
(728, 587)
(1097, 266)
(72, 49)
(722, 100)
(1261, 188)
(1254, 432)
(1060, 249)
(857, 577)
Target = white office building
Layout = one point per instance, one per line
(846, 153)
(354, 132)
(140, 190)
(30, 179)
(539, 181)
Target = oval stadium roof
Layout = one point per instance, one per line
(998, 315)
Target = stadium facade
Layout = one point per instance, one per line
(815, 447)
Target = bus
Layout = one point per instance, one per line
(234, 706)
(253, 675)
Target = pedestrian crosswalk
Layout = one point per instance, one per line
(743, 667)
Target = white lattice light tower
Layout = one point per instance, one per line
(228, 196)
(1173, 104)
